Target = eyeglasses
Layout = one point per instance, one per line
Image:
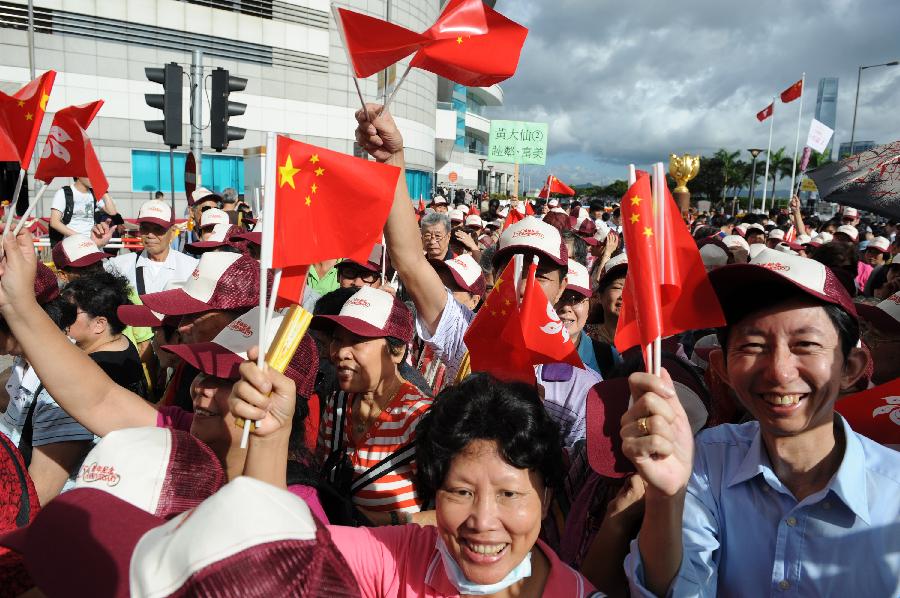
(434, 237)
(571, 298)
(351, 272)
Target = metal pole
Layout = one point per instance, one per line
(797, 142)
(752, 185)
(768, 154)
(172, 175)
(387, 17)
(31, 38)
(197, 112)
(855, 105)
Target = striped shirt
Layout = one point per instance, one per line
(394, 429)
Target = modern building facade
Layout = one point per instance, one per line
(858, 146)
(290, 53)
(826, 102)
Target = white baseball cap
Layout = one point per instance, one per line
(884, 315)
(76, 251)
(533, 235)
(212, 217)
(880, 243)
(756, 249)
(466, 272)
(474, 221)
(578, 279)
(713, 256)
(848, 230)
(803, 239)
(456, 215)
(849, 212)
(821, 239)
(615, 267)
(372, 313)
(202, 193)
(438, 201)
(553, 203)
(156, 212)
(776, 233)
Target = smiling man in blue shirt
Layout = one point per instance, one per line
(794, 503)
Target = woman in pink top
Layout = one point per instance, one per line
(488, 455)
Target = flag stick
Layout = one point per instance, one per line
(383, 259)
(632, 175)
(361, 100)
(396, 87)
(661, 245)
(797, 142)
(768, 153)
(549, 180)
(30, 209)
(517, 274)
(13, 200)
(270, 309)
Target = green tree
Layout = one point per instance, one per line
(729, 168)
(774, 158)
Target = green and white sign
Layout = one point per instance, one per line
(519, 142)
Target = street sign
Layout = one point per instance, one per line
(516, 142)
(190, 177)
(453, 177)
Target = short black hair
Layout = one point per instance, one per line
(596, 205)
(484, 408)
(100, 294)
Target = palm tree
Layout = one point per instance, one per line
(785, 167)
(728, 167)
(774, 158)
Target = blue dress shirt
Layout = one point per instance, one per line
(746, 535)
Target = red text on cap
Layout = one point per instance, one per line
(100, 473)
(359, 301)
(528, 232)
(241, 327)
(775, 266)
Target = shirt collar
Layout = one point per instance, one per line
(169, 264)
(848, 483)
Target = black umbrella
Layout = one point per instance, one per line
(868, 181)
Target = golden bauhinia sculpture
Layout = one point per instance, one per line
(683, 168)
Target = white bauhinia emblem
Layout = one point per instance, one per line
(892, 409)
(55, 140)
(555, 325)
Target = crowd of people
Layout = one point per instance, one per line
(380, 465)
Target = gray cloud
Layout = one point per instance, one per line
(631, 82)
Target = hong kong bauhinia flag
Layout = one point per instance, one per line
(545, 335)
(327, 205)
(874, 412)
(766, 112)
(68, 151)
(21, 115)
(793, 92)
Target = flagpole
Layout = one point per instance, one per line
(549, 180)
(270, 308)
(797, 142)
(30, 209)
(14, 200)
(768, 153)
(390, 99)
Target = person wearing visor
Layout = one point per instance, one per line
(780, 503)
(202, 200)
(158, 264)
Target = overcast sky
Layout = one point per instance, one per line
(623, 82)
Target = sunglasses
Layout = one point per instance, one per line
(351, 272)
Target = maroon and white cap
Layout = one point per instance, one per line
(249, 539)
(821, 239)
(373, 264)
(202, 193)
(578, 279)
(803, 239)
(456, 216)
(532, 235)
(76, 251)
(438, 201)
(738, 247)
(848, 229)
(849, 212)
(46, 287)
(221, 281)
(615, 267)
(213, 216)
(220, 237)
(755, 227)
(553, 203)
(371, 313)
(773, 274)
(586, 230)
(162, 471)
(466, 272)
(776, 233)
(156, 212)
(141, 315)
(222, 356)
(474, 221)
(254, 237)
(495, 223)
(882, 244)
(884, 315)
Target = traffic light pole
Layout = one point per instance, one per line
(197, 111)
(172, 177)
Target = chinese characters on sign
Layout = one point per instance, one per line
(518, 142)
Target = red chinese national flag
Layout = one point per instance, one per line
(20, 119)
(554, 185)
(327, 204)
(68, 151)
(545, 335)
(290, 289)
(766, 112)
(511, 218)
(494, 337)
(475, 60)
(640, 321)
(793, 92)
(874, 413)
(373, 44)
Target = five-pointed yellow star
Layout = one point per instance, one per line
(635, 218)
(21, 103)
(502, 312)
(315, 188)
(459, 40)
(320, 171)
(44, 99)
(314, 159)
(29, 116)
(636, 200)
(508, 302)
(493, 312)
(498, 283)
(648, 232)
(308, 200)
(287, 173)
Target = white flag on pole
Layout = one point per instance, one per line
(819, 136)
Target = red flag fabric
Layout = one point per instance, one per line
(474, 211)
(68, 151)
(494, 337)
(511, 218)
(686, 298)
(791, 235)
(793, 92)
(544, 334)
(875, 412)
(529, 211)
(554, 185)
(475, 60)
(20, 119)
(290, 289)
(766, 112)
(327, 204)
(421, 206)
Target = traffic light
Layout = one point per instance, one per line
(220, 109)
(169, 102)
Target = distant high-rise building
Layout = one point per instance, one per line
(859, 146)
(826, 103)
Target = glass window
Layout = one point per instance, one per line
(150, 171)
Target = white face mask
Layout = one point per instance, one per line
(468, 588)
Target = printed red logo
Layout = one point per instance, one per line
(195, 274)
(776, 267)
(895, 298)
(86, 244)
(528, 232)
(242, 327)
(101, 474)
(359, 301)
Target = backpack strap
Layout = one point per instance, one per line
(28, 429)
(139, 276)
(70, 204)
(402, 456)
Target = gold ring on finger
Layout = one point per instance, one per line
(642, 426)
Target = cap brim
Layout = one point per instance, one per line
(174, 302)
(606, 404)
(82, 539)
(206, 245)
(87, 260)
(253, 237)
(367, 266)
(590, 240)
(878, 318)
(439, 265)
(354, 325)
(138, 315)
(510, 250)
(210, 358)
(159, 221)
(581, 290)
(613, 273)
